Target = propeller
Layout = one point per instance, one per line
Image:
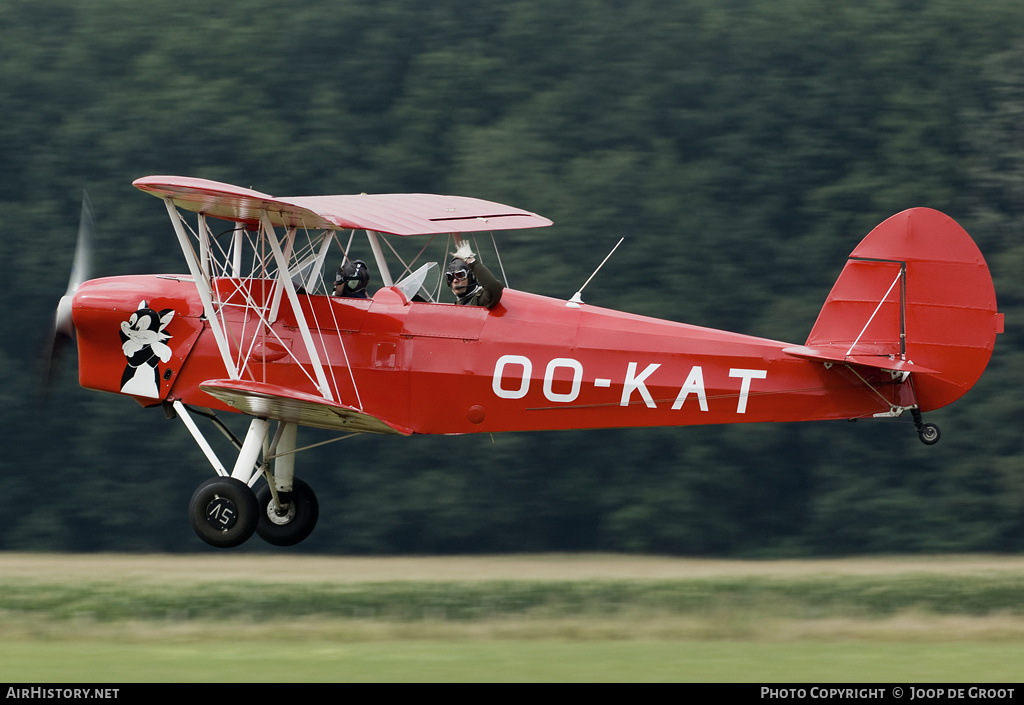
(63, 332)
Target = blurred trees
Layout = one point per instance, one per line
(742, 147)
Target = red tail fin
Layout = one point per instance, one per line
(916, 289)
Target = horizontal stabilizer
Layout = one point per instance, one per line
(882, 362)
(273, 402)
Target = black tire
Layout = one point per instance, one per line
(224, 512)
(297, 525)
(929, 434)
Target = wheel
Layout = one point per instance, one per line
(224, 512)
(294, 525)
(929, 434)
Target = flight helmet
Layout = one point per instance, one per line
(352, 277)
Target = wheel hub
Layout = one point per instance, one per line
(278, 515)
(221, 513)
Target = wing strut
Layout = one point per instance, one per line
(318, 265)
(285, 280)
(202, 286)
(378, 254)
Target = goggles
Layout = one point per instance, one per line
(458, 275)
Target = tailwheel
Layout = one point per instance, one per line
(290, 522)
(224, 512)
(929, 434)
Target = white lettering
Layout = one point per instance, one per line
(549, 376)
(767, 692)
(847, 693)
(694, 384)
(513, 374)
(993, 693)
(524, 384)
(746, 376)
(36, 692)
(635, 383)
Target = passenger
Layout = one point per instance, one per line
(470, 281)
(351, 279)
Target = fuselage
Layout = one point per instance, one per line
(531, 363)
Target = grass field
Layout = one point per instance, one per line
(224, 617)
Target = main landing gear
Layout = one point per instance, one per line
(226, 512)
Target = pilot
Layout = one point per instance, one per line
(470, 281)
(351, 279)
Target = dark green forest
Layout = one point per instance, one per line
(742, 148)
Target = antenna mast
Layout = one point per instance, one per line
(576, 301)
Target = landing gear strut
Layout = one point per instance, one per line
(225, 512)
(927, 432)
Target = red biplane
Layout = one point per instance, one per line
(254, 328)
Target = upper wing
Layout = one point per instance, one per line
(274, 402)
(394, 213)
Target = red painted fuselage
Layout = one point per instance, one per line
(530, 363)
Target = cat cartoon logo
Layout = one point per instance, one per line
(144, 344)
